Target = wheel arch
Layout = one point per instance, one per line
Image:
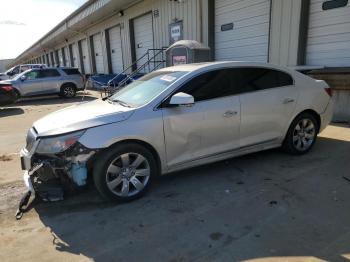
(136, 141)
(314, 114)
(69, 84)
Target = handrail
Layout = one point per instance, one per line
(135, 62)
(143, 66)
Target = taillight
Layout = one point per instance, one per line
(7, 88)
(329, 91)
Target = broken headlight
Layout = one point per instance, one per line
(54, 145)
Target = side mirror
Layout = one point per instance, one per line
(182, 99)
(9, 73)
(23, 78)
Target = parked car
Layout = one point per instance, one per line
(64, 81)
(12, 72)
(7, 95)
(177, 118)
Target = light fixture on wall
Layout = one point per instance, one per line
(120, 13)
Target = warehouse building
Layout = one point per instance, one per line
(107, 36)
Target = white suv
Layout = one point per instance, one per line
(12, 72)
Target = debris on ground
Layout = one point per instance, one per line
(5, 158)
(346, 178)
(273, 202)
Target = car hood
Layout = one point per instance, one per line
(82, 116)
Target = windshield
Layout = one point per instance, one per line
(143, 90)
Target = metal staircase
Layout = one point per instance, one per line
(152, 60)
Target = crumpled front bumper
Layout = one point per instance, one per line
(26, 156)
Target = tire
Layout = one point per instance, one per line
(124, 172)
(68, 91)
(301, 135)
(18, 95)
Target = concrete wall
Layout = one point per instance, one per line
(4, 64)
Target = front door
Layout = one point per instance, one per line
(31, 84)
(209, 127)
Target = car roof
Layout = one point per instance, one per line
(223, 64)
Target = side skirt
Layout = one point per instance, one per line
(223, 156)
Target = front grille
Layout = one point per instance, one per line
(31, 137)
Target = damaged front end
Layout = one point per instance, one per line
(54, 164)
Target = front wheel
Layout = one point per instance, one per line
(301, 135)
(124, 172)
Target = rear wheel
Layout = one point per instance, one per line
(68, 91)
(124, 172)
(301, 135)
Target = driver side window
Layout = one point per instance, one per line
(210, 85)
(32, 75)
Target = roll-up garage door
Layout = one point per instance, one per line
(328, 42)
(85, 55)
(66, 56)
(98, 53)
(48, 60)
(60, 57)
(242, 30)
(115, 49)
(143, 30)
(75, 52)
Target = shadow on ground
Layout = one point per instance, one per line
(263, 205)
(10, 111)
(54, 99)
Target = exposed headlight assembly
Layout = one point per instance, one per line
(57, 144)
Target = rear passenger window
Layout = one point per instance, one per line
(256, 79)
(71, 71)
(210, 85)
(49, 73)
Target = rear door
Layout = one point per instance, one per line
(268, 99)
(51, 80)
(210, 126)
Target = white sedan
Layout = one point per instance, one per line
(176, 118)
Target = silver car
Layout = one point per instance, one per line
(64, 81)
(176, 118)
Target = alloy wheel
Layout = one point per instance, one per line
(128, 174)
(304, 134)
(69, 91)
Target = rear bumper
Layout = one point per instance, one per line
(327, 115)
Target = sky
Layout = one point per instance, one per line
(23, 22)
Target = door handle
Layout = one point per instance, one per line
(288, 100)
(230, 113)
